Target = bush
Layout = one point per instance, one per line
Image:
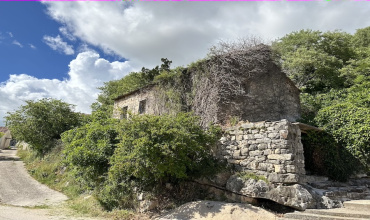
(40, 123)
(350, 126)
(324, 156)
(88, 150)
(155, 150)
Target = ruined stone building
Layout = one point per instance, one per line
(258, 106)
(253, 93)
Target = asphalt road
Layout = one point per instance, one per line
(18, 188)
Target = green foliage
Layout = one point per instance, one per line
(345, 114)
(249, 175)
(325, 156)
(333, 70)
(358, 70)
(234, 120)
(313, 59)
(155, 150)
(362, 37)
(88, 149)
(172, 90)
(350, 125)
(115, 88)
(51, 171)
(1, 134)
(40, 123)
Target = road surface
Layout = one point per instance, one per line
(19, 191)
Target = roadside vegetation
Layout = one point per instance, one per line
(332, 69)
(104, 164)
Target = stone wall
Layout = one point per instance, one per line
(268, 96)
(132, 100)
(270, 149)
(256, 89)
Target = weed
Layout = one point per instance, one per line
(249, 175)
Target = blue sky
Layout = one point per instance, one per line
(65, 50)
(22, 48)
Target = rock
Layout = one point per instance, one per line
(295, 196)
(254, 188)
(280, 156)
(234, 184)
(147, 205)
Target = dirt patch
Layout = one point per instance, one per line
(217, 211)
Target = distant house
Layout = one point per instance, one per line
(266, 94)
(3, 129)
(6, 140)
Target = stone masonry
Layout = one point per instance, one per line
(271, 149)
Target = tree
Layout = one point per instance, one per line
(40, 123)
(333, 71)
(312, 59)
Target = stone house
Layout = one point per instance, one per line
(261, 135)
(266, 93)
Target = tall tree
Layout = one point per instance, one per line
(40, 123)
(312, 59)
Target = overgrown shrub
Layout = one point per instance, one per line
(325, 156)
(155, 150)
(88, 150)
(350, 125)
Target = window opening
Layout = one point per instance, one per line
(142, 106)
(124, 112)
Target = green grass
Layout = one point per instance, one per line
(50, 171)
(249, 175)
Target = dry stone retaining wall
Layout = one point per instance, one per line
(271, 149)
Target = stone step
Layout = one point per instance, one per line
(343, 212)
(313, 216)
(360, 205)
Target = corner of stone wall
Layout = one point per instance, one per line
(272, 149)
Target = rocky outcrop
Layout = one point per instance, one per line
(294, 196)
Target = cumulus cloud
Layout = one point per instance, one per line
(183, 31)
(15, 42)
(86, 73)
(57, 43)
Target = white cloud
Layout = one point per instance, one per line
(10, 34)
(15, 42)
(67, 33)
(32, 46)
(57, 43)
(87, 72)
(144, 32)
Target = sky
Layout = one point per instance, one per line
(66, 50)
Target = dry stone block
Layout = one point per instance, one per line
(273, 135)
(262, 146)
(233, 161)
(278, 168)
(255, 153)
(236, 153)
(244, 151)
(283, 134)
(280, 156)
